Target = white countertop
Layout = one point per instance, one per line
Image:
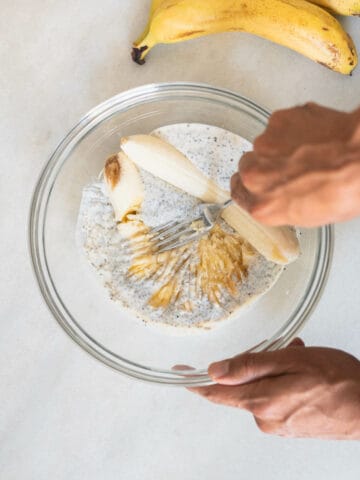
(63, 415)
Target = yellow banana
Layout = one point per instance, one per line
(341, 7)
(155, 4)
(296, 24)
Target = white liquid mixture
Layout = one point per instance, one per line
(216, 153)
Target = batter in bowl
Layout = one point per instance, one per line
(148, 289)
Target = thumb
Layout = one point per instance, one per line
(249, 367)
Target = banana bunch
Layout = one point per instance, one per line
(297, 24)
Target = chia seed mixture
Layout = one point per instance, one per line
(216, 153)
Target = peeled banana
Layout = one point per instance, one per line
(341, 7)
(296, 24)
(278, 244)
(125, 187)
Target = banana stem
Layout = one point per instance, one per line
(138, 54)
(140, 50)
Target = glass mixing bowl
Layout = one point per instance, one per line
(73, 292)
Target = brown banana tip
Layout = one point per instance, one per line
(136, 54)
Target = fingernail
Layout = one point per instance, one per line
(219, 369)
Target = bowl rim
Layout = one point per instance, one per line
(36, 245)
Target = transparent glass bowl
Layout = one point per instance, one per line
(74, 294)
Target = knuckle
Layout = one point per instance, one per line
(310, 106)
(248, 160)
(277, 116)
(264, 426)
(266, 408)
(278, 119)
(249, 176)
(272, 427)
(260, 142)
(248, 166)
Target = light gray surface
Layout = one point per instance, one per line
(62, 415)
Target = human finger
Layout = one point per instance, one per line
(249, 367)
(240, 194)
(241, 396)
(261, 397)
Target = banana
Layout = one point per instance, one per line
(125, 187)
(161, 159)
(155, 4)
(341, 7)
(296, 24)
(166, 162)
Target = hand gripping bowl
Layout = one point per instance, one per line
(73, 293)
